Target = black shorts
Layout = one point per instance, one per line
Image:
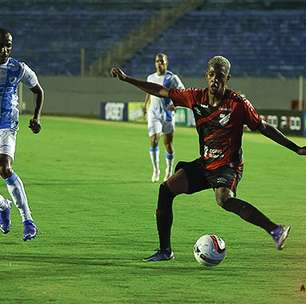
(200, 179)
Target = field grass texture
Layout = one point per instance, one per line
(88, 185)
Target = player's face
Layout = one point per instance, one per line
(217, 78)
(6, 45)
(161, 64)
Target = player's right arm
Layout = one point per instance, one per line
(146, 104)
(148, 87)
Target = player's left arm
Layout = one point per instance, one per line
(38, 93)
(271, 132)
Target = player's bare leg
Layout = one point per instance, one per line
(154, 155)
(168, 142)
(225, 198)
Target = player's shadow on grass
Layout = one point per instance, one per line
(170, 267)
(74, 182)
(67, 260)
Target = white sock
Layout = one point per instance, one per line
(19, 197)
(154, 155)
(4, 203)
(169, 162)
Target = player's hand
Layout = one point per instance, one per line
(301, 151)
(117, 72)
(35, 126)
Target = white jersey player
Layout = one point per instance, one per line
(160, 116)
(12, 72)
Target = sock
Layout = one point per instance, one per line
(4, 204)
(17, 192)
(169, 162)
(249, 213)
(154, 155)
(164, 216)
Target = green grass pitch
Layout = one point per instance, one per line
(88, 184)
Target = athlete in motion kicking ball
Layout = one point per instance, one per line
(160, 115)
(220, 114)
(12, 72)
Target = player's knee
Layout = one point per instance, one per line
(165, 197)
(169, 147)
(154, 141)
(165, 190)
(5, 171)
(222, 196)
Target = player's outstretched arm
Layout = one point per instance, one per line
(148, 87)
(35, 125)
(277, 136)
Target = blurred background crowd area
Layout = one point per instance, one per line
(261, 38)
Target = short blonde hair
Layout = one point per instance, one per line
(221, 61)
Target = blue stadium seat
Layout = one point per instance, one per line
(258, 43)
(50, 40)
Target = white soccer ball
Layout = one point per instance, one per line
(209, 250)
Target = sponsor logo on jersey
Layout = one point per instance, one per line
(212, 153)
(221, 180)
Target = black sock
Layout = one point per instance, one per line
(249, 213)
(164, 216)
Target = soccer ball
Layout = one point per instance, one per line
(209, 250)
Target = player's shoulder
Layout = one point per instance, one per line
(197, 92)
(152, 76)
(16, 66)
(169, 73)
(235, 96)
(172, 75)
(14, 63)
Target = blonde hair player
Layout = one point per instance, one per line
(220, 114)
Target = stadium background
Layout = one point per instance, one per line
(88, 180)
(73, 44)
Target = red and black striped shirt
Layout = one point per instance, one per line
(220, 128)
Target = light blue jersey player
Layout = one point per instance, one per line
(160, 116)
(12, 72)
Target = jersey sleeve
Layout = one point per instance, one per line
(182, 97)
(251, 117)
(29, 77)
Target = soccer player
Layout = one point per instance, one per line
(220, 115)
(12, 72)
(160, 115)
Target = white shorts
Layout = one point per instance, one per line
(157, 124)
(8, 142)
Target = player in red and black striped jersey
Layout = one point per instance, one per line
(220, 115)
(219, 127)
